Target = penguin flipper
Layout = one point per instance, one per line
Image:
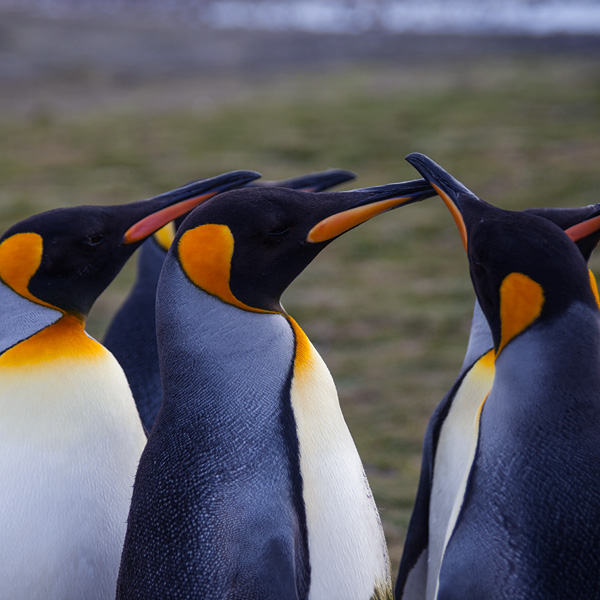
(411, 583)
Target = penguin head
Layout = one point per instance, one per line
(65, 258)
(574, 219)
(248, 245)
(524, 268)
(311, 182)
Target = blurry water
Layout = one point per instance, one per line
(537, 17)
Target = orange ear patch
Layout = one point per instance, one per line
(20, 258)
(205, 255)
(521, 301)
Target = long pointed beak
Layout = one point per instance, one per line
(586, 228)
(450, 190)
(311, 182)
(375, 200)
(171, 205)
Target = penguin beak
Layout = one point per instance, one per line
(378, 200)
(160, 210)
(450, 190)
(312, 182)
(586, 228)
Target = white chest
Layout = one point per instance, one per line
(453, 460)
(71, 440)
(348, 553)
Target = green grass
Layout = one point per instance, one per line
(389, 304)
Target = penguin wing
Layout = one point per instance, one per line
(411, 582)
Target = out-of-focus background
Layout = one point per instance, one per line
(108, 101)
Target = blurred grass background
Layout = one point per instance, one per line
(389, 304)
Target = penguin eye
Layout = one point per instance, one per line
(276, 232)
(94, 240)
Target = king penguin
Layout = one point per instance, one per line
(131, 335)
(525, 523)
(251, 486)
(450, 439)
(70, 435)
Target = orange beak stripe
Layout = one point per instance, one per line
(583, 229)
(148, 225)
(341, 222)
(460, 223)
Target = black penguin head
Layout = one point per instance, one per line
(524, 268)
(311, 182)
(248, 245)
(574, 219)
(66, 257)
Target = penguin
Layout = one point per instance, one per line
(318, 181)
(131, 335)
(250, 485)
(450, 439)
(525, 522)
(70, 435)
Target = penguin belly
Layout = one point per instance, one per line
(454, 456)
(341, 515)
(71, 439)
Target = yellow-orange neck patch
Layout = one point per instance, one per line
(65, 339)
(594, 286)
(20, 258)
(521, 301)
(488, 360)
(303, 358)
(165, 235)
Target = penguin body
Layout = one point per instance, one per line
(250, 486)
(450, 441)
(531, 508)
(131, 336)
(502, 532)
(70, 435)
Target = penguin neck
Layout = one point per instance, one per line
(559, 353)
(480, 338)
(235, 361)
